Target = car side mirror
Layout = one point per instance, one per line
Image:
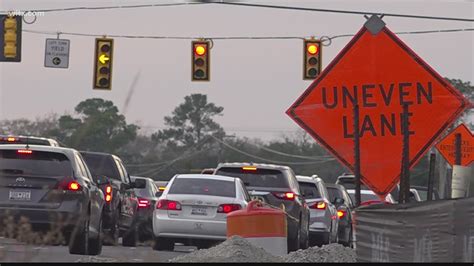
(138, 183)
(124, 186)
(102, 180)
(338, 201)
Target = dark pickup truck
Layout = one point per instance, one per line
(120, 211)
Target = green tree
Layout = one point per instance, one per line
(191, 122)
(468, 90)
(41, 126)
(98, 126)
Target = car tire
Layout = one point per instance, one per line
(163, 244)
(304, 237)
(294, 243)
(111, 238)
(95, 244)
(130, 238)
(79, 240)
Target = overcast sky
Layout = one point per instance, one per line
(254, 80)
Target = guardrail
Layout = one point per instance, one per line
(430, 231)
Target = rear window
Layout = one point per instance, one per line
(334, 193)
(38, 163)
(364, 197)
(17, 140)
(201, 186)
(144, 192)
(309, 190)
(100, 165)
(256, 178)
(349, 183)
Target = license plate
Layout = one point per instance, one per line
(199, 211)
(19, 195)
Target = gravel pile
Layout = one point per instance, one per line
(234, 249)
(238, 249)
(326, 253)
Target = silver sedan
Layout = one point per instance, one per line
(193, 210)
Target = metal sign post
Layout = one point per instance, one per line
(431, 176)
(357, 154)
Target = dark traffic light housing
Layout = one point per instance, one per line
(104, 48)
(200, 61)
(10, 42)
(312, 58)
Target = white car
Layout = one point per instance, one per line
(368, 196)
(193, 210)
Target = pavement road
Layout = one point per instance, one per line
(13, 251)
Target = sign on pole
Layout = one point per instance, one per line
(56, 53)
(447, 146)
(381, 74)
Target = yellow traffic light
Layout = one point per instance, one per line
(11, 38)
(312, 58)
(103, 63)
(200, 61)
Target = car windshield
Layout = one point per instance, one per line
(309, 190)
(203, 186)
(363, 196)
(40, 163)
(257, 177)
(423, 194)
(100, 165)
(334, 193)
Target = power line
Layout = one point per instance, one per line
(294, 155)
(269, 160)
(84, 8)
(351, 12)
(347, 11)
(57, 33)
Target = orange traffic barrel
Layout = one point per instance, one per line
(262, 226)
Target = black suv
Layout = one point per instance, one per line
(121, 206)
(277, 186)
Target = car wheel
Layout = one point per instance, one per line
(305, 237)
(294, 244)
(163, 244)
(130, 238)
(111, 238)
(95, 244)
(79, 240)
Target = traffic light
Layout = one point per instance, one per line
(11, 41)
(104, 49)
(200, 61)
(312, 58)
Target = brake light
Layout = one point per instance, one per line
(161, 188)
(25, 151)
(340, 213)
(168, 205)
(11, 139)
(226, 208)
(108, 193)
(284, 195)
(320, 205)
(249, 168)
(143, 203)
(74, 186)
